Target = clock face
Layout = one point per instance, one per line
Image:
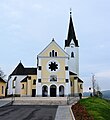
(53, 66)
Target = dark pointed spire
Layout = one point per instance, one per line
(71, 33)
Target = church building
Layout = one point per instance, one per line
(56, 72)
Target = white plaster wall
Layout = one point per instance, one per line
(38, 85)
(67, 89)
(73, 63)
(10, 88)
(18, 83)
(38, 89)
(17, 89)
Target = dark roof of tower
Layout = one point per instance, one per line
(1, 80)
(20, 70)
(71, 34)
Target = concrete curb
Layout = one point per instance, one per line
(73, 118)
(71, 112)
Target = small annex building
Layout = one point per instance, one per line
(2, 87)
(56, 72)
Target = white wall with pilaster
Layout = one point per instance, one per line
(67, 86)
(18, 83)
(38, 85)
(17, 89)
(10, 85)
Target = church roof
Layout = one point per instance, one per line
(53, 42)
(31, 71)
(71, 73)
(1, 80)
(20, 70)
(25, 79)
(71, 34)
(79, 80)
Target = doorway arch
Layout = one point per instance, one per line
(61, 91)
(44, 91)
(53, 90)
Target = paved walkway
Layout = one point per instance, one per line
(63, 113)
(5, 101)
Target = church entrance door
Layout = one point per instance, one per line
(53, 91)
(33, 92)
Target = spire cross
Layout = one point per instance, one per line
(70, 11)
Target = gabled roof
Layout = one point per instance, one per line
(30, 71)
(25, 79)
(53, 42)
(79, 80)
(20, 70)
(1, 80)
(71, 73)
(71, 34)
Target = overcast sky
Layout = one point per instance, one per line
(28, 26)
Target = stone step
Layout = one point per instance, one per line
(40, 101)
(44, 100)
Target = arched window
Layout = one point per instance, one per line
(61, 91)
(2, 89)
(72, 54)
(50, 54)
(53, 54)
(44, 91)
(34, 82)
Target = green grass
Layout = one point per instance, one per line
(97, 107)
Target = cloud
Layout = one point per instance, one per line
(104, 74)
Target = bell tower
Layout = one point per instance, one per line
(72, 48)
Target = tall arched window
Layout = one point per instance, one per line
(34, 82)
(72, 54)
(53, 53)
(50, 54)
(61, 91)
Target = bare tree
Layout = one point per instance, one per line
(2, 75)
(98, 91)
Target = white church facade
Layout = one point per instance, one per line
(56, 72)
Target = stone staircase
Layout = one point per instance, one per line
(40, 101)
(44, 100)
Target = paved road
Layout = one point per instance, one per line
(31, 112)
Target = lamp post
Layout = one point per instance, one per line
(93, 84)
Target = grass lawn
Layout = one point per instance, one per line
(97, 107)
